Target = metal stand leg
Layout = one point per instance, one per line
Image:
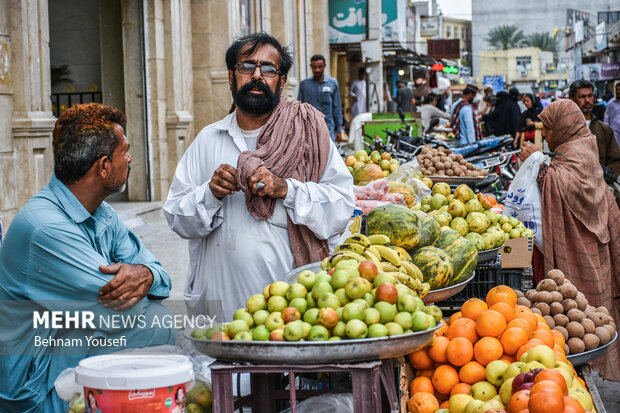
(222, 386)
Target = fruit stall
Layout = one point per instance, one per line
(419, 310)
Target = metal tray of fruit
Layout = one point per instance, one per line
(291, 276)
(312, 352)
(488, 255)
(435, 296)
(456, 180)
(587, 356)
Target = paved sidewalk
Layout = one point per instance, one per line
(147, 220)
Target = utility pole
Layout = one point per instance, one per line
(374, 75)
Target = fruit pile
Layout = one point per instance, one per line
(394, 262)
(566, 310)
(356, 301)
(495, 354)
(443, 259)
(442, 162)
(472, 216)
(359, 160)
(199, 399)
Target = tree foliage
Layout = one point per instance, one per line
(542, 40)
(505, 37)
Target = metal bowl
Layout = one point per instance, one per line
(587, 356)
(488, 255)
(435, 296)
(312, 352)
(291, 276)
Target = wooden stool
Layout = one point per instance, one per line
(366, 377)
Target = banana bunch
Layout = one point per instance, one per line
(392, 260)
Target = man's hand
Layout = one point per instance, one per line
(130, 284)
(224, 181)
(527, 149)
(529, 122)
(274, 186)
(338, 137)
(354, 98)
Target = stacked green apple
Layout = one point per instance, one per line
(357, 301)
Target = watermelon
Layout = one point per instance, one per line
(447, 237)
(397, 222)
(428, 228)
(435, 265)
(464, 256)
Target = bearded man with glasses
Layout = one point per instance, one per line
(260, 192)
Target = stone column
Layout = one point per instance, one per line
(26, 158)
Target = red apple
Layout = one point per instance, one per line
(327, 317)
(277, 335)
(368, 270)
(526, 386)
(290, 314)
(387, 292)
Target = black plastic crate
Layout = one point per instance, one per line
(488, 275)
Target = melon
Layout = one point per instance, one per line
(398, 222)
(428, 229)
(464, 256)
(367, 173)
(447, 237)
(436, 266)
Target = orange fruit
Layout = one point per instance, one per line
(554, 376)
(441, 331)
(527, 346)
(519, 401)
(460, 351)
(422, 402)
(472, 373)
(558, 350)
(490, 324)
(420, 360)
(545, 336)
(437, 352)
(488, 349)
(445, 404)
(542, 385)
(523, 324)
(502, 293)
(473, 307)
(558, 338)
(463, 327)
(504, 309)
(442, 397)
(461, 388)
(510, 359)
(546, 400)
(531, 318)
(454, 317)
(570, 403)
(421, 384)
(513, 338)
(543, 326)
(425, 373)
(444, 379)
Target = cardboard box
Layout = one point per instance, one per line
(519, 255)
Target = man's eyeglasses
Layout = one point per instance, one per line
(246, 68)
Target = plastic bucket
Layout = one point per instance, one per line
(135, 383)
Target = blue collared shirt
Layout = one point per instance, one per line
(466, 123)
(52, 251)
(325, 96)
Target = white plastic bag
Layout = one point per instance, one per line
(523, 199)
(406, 174)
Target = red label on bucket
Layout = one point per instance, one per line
(161, 400)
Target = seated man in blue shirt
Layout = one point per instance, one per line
(464, 119)
(322, 92)
(68, 250)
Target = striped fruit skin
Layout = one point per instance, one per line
(464, 257)
(435, 265)
(447, 237)
(397, 222)
(428, 228)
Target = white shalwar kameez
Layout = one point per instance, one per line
(232, 254)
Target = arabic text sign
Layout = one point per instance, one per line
(429, 26)
(496, 82)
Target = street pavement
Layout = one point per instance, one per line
(147, 220)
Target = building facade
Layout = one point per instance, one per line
(530, 16)
(160, 61)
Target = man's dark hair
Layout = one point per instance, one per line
(402, 82)
(579, 84)
(83, 134)
(253, 41)
(317, 57)
(469, 89)
(429, 99)
(361, 70)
